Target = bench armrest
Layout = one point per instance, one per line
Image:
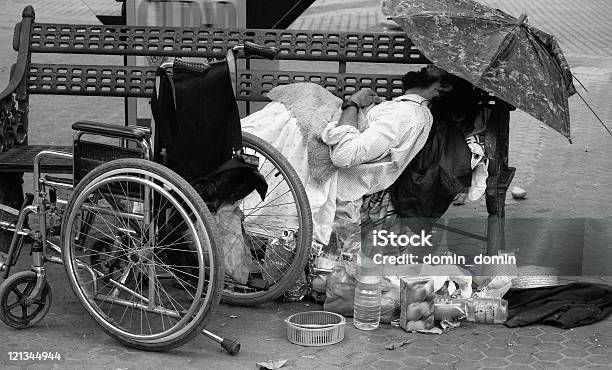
(105, 129)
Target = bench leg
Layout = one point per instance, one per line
(496, 142)
(11, 194)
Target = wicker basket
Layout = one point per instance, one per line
(315, 328)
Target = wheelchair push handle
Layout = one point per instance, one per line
(252, 49)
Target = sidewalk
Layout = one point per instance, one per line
(562, 180)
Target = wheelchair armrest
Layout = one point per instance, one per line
(105, 129)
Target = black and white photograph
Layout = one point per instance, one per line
(305, 184)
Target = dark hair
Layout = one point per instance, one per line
(420, 79)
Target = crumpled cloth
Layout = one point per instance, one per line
(313, 107)
(276, 125)
(565, 306)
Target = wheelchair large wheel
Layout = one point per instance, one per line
(140, 250)
(277, 232)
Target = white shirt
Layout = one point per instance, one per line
(392, 132)
(372, 157)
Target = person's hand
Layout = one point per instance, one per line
(366, 97)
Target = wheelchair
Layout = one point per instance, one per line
(138, 243)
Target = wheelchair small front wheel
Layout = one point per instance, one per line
(140, 250)
(14, 291)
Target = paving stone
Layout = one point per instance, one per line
(599, 359)
(573, 362)
(575, 353)
(366, 363)
(551, 337)
(579, 333)
(545, 365)
(603, 340)
(372, 348)
(416, 361)
(415, 351)
(395, 355)
(497, 352)
(470, 355)
(521, 359)
(494, 362)
(529, 341)
(576, 343)
(599, 349)
(597, 367)
(522, 349)
(529, 331)
(444, 359)
(546, 346)
(547, 356)
(518, 367)
(436, 367)
(385, 364)
(425, 342)
(467, 365)
(449, 349)
(498, 343)
(473, 346)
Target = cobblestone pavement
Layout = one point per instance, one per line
(562, 180)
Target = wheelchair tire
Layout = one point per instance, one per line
(284, 213)
(164, 252)
(14, 292)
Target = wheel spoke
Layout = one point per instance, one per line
(285, 208)
(10, 308)
(144, 213)
(17, 292)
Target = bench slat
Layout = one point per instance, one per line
(119, 81)
(210, 42)
(253, 84)
(63, 79)
(91, 80)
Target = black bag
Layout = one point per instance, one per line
(440, 171)
(198, 124)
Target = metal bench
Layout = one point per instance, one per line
(29, 78)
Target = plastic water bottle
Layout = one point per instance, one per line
(487, 310)
(366, 311)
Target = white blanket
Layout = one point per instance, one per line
(276, 125)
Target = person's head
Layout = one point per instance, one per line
(430, 82)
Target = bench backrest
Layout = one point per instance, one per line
(138, 81)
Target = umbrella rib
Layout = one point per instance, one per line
(502, 46)
(550, 56)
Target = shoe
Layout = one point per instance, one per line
(460, 199)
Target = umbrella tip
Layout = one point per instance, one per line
(522, 19)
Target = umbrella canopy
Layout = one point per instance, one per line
(494, 51)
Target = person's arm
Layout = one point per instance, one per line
(355, 148)
(362, 98)
(395, 125)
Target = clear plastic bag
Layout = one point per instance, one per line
(237, 259)
(390, 306)
(340, 292)
(280, 252)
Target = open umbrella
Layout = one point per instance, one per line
(496, 52)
